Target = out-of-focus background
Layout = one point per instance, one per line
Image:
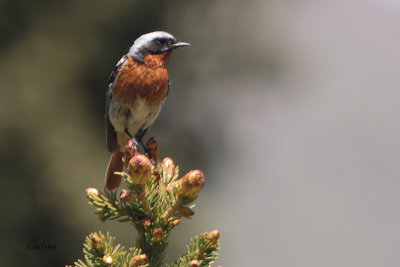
(291, 108)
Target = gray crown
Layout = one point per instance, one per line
(153, 43)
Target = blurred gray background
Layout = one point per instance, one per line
(289, 107)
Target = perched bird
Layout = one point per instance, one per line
(138, 86)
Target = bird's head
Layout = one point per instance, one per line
(154, 43)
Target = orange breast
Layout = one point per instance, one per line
(148, 80)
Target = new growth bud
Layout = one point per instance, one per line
(157, 175)
(194, 263)
(139, 169)
(213, 236)
(90, 192)
(128, 196)
(176, 222)
(192, 183)
(186, 212)
(152, 148)
(138, 260)
(168, 168)
(145, 223)
(107, 259)
(158, 233)
(96, 240)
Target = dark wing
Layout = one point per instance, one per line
(115, 71)
(169, 86)
(111, 135)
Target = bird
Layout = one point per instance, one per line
(137, 89)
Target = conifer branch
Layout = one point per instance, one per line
(154, 201)
(202, 251)
(99, 250)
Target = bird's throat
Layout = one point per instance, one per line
(157, 61)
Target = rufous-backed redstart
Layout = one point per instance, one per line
(138, 86)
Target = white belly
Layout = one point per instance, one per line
(134, 117)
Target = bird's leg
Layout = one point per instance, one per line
(133, 139)
(140, 139)
(127, 132)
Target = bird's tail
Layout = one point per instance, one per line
(113, 180)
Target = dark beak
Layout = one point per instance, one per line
(179, 44)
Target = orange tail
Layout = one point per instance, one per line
(113, 181)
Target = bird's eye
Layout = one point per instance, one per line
(161, 42)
